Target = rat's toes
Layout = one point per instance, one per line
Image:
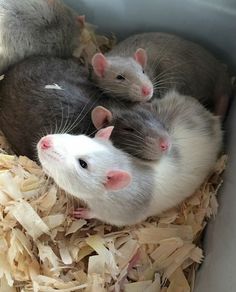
(82, 213)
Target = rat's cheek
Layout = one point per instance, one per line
(135, 92)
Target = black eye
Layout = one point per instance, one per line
(143, 72)
(120, 77)
(82, 163)
(129, 130)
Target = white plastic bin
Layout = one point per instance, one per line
(212, 23)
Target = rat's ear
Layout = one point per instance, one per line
(117, 180)
(100, 64)
(81, 20)
(104, 133)
(140, 57)
(100, 116)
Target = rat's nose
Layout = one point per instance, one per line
(46, 143)
(146, 90)
(164, 144)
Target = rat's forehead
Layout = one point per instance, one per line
(83, 145)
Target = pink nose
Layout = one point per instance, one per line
(146, 90)
(164, 145)
(46, 143)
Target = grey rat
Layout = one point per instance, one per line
(117, 188)
(36, 27)
(168, 117)
(41, 95)
(168, 62)
(47, 95)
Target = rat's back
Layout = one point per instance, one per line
(42, 95)
(36, 27)
(196, 142)
(177, 63)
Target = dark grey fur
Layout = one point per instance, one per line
(28, 110)
(138, 132)
(36, 27)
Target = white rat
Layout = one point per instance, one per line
(150, 64)
(122, 190)
(105, 178)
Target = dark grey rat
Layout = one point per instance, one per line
(150, 64)
(36, 27)
(43, 95)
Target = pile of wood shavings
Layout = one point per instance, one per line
(43, 249)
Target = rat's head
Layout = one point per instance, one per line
(124, 76)
(137, 131)
(83, 166)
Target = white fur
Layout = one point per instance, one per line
(155, 186)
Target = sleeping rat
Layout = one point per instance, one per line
(173, 115)
(43, 95)
(152, 63)
(117, 188)
(36, 27)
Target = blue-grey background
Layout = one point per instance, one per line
(212, 23)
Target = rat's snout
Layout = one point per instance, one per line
(164, 144)
(146, 90)
(160, 144)
(45, 143)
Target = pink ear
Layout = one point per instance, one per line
(101, 116)
(100, 64)
(104, 133)
(81, 20)
(117, 179)
(141, 57)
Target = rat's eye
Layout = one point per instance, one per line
(120, 77)
(83, 163)
(129, 130)
(143, 72)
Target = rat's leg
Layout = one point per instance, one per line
(82, 213)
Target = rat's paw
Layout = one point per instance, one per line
(82, 213)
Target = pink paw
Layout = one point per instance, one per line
(82, 213)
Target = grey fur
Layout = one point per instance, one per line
(29, 110)
(138, 132)
(36, 27)
(174, 63)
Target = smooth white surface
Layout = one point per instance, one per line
(211, 23)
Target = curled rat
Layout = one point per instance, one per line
(150, 64)
(117, 188)
(170, 121)
(36, 27)
(43, 95)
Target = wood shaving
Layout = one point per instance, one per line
(53, 86)
(91, 42)
(43, 249)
